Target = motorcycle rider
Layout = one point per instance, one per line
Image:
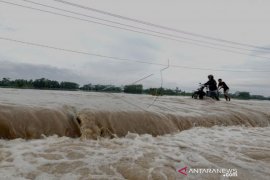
(212, 85)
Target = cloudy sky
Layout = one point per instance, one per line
(243, 21)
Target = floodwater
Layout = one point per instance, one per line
(86, 135)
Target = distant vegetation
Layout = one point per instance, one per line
(133, 89)
(38, 84)
(247, 95)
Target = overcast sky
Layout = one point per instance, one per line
(242, 21)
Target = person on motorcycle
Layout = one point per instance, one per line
(222, 84)
(212, 85)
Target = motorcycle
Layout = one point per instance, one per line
(199, 93)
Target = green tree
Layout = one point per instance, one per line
(5, 82)
(134, 89)
(69, 85)
(39, 83)
(242, 95)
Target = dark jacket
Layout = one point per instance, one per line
(212, 84)
(223, 85)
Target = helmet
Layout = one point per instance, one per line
(210, 76)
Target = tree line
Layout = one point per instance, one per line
(44, 83)
(247, 95)
(38, 84)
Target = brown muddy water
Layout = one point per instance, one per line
(83, 135)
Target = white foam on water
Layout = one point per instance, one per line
(140, 156)
(133, 156)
